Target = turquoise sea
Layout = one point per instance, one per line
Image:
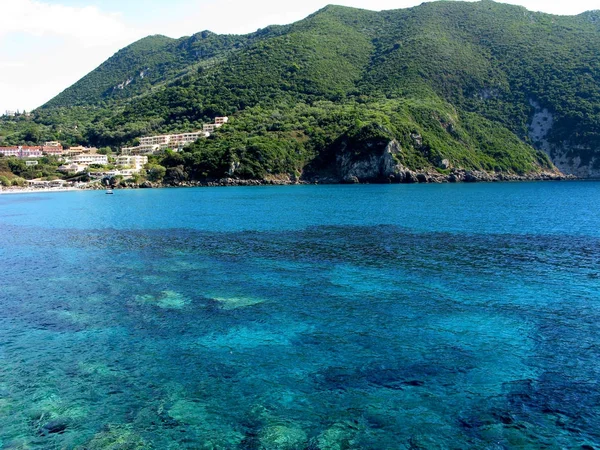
(302, 317)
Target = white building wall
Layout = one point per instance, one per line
(135, 161)
(90, 159)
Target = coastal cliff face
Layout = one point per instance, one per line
(380, 164)
(568, 159)
(380, 161)
(374, 166)
(579, 160)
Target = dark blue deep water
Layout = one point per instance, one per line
(320, 317)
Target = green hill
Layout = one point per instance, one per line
(477, 86)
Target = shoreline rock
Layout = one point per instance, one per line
(405, 177)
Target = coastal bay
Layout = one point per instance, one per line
(364, 316)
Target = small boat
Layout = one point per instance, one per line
(109, 191)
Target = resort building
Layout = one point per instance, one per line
(53, 151)
(53, 148)
(155, 144)
(171, 140)
(30, 152)
(136, 162)
(154, 140)
(21, 151)
(44, 183)
(112, 173)
(211, 127)
(186, 138)
(150, 145)
(80, 150)
(127, 172)
(10, 151)
(72, 168)
(90, 159)
(74, 151)
(141, 150)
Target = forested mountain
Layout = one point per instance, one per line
(479, 86)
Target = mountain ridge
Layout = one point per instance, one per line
(444, 71)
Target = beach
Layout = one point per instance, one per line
(30, 190)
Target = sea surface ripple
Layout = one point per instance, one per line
(320, 317)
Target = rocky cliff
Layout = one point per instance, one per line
(380, 161)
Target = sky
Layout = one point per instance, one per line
(47, 45)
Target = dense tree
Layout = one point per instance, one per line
(156, 172)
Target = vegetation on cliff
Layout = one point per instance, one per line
(448, 80)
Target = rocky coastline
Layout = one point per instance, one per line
(401, 177)
(406, 177)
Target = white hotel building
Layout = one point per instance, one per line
(135, 162)
(90, 159)
(155, 140)
(22, 151)
(142, 150)
(153, 144)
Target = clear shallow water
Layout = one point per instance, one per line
(302, 317)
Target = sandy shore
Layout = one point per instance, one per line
(36, 190)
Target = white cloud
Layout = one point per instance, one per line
(11, 64)
(55, 45)
(88, 25)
